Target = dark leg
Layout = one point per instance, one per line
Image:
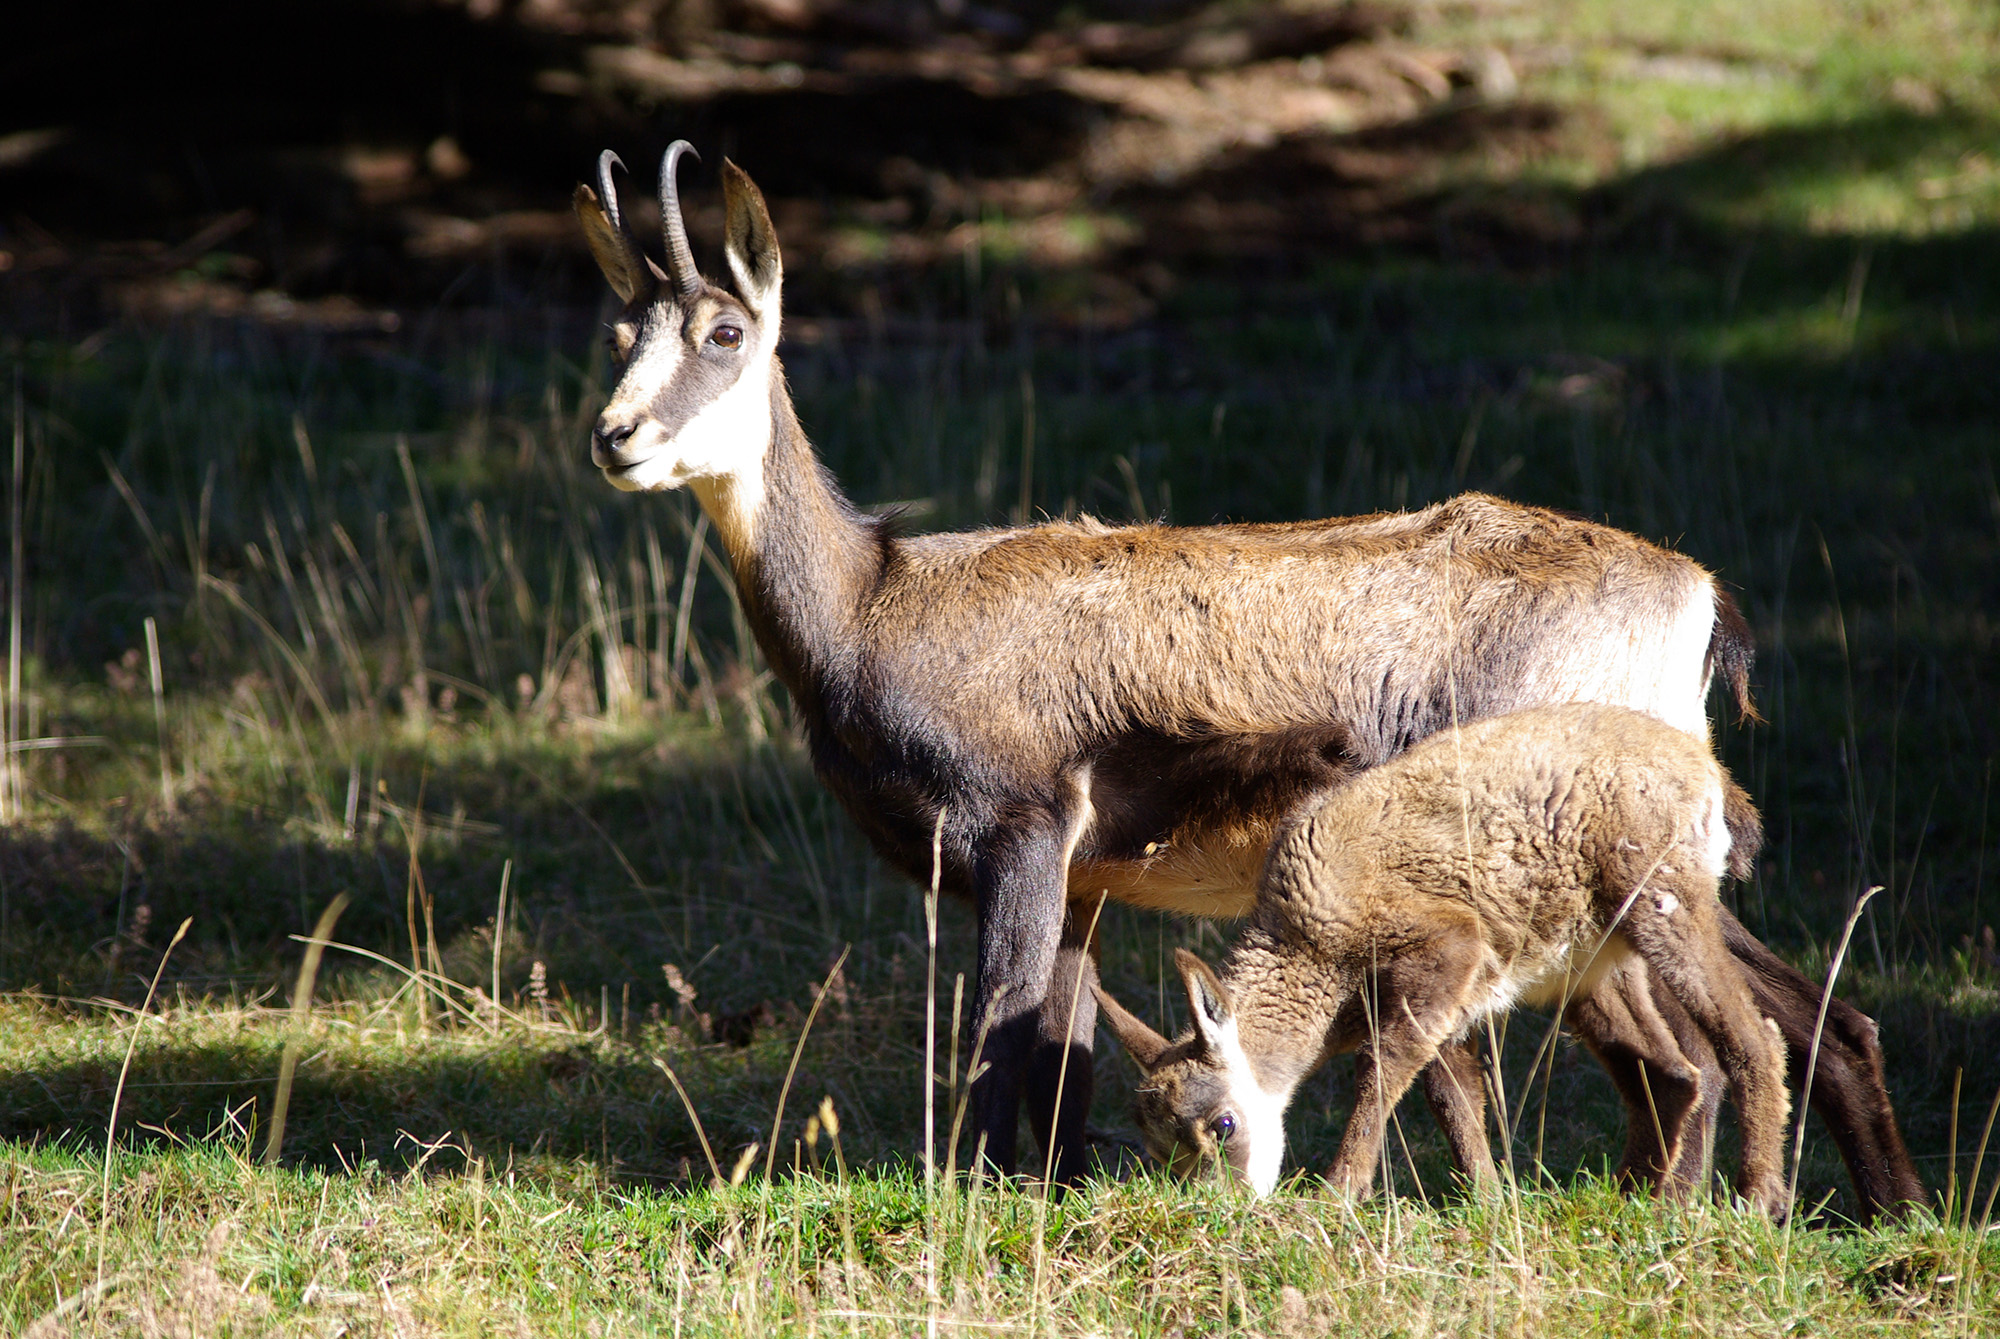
(1060, 1065)
(1455, 1090)
(1684, 950)
(1420, 1000)
(1662, 1086)
(1694, 1166)
(1020, 874)
(1847, 1087)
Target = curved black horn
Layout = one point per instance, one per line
(680, 257)
(607, 194)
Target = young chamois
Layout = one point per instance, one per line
(1522, 859)
(1130, 710)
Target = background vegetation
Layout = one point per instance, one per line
(313, 592)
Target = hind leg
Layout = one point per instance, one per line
(1847, 1086)
(1455, 1091)
(1675, 927)
(1659, 1074)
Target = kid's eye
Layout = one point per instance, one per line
(1224, 1126)
(726, 337)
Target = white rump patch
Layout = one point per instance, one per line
(1713, 833)
(1655, 669)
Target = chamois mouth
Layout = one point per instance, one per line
(616, 462)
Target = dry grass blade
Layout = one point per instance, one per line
(118, 1093)
(1812, 1063)
(707, 1149)
(777, 1121)
(301, 1015)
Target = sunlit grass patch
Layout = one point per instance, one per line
(207, 1236)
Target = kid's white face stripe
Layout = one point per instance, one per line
(1260, 1114)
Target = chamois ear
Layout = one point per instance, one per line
(1144, 1044)
(750, 243)
(624, 265)
(1207, 997)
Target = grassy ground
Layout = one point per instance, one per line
(1743, 299)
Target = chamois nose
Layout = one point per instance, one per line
(608, 439)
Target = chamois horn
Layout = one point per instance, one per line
(680, 256)
(607, 194)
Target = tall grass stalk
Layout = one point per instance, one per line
(1048, 1187)
(500, 934)
(930, 1073)
(1979, 1165)
(301, 1020)
(798, 1049)
(159, 710)
(694, 1118)
(118, 1093)
(1812, 1063)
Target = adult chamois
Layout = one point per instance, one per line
(1130, 710)
(1526, 858)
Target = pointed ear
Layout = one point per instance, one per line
(627, 270)
(1207, 997)
(1144, 1044)
(750, 243)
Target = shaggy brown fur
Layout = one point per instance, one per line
(1525, 858)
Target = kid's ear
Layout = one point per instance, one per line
(750, 243)
(1208, 999)
(1144, 1044)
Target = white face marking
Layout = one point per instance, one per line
(1260, 1115)
(721, 446)
(1669, 904)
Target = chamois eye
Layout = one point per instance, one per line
(1223, 1126)
(726, 337)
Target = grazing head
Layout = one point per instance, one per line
(694, 401)
(1201, 1105)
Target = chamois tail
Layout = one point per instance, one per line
(1731, 651)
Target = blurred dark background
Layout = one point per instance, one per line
(334, 163)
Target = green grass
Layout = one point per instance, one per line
(229, 1247)
(413, 651)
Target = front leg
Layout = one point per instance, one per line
(1060, 1077)
(1020, 873)
(1421, 1001)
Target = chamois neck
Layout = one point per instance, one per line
(804, 557)
(1285, 1007)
